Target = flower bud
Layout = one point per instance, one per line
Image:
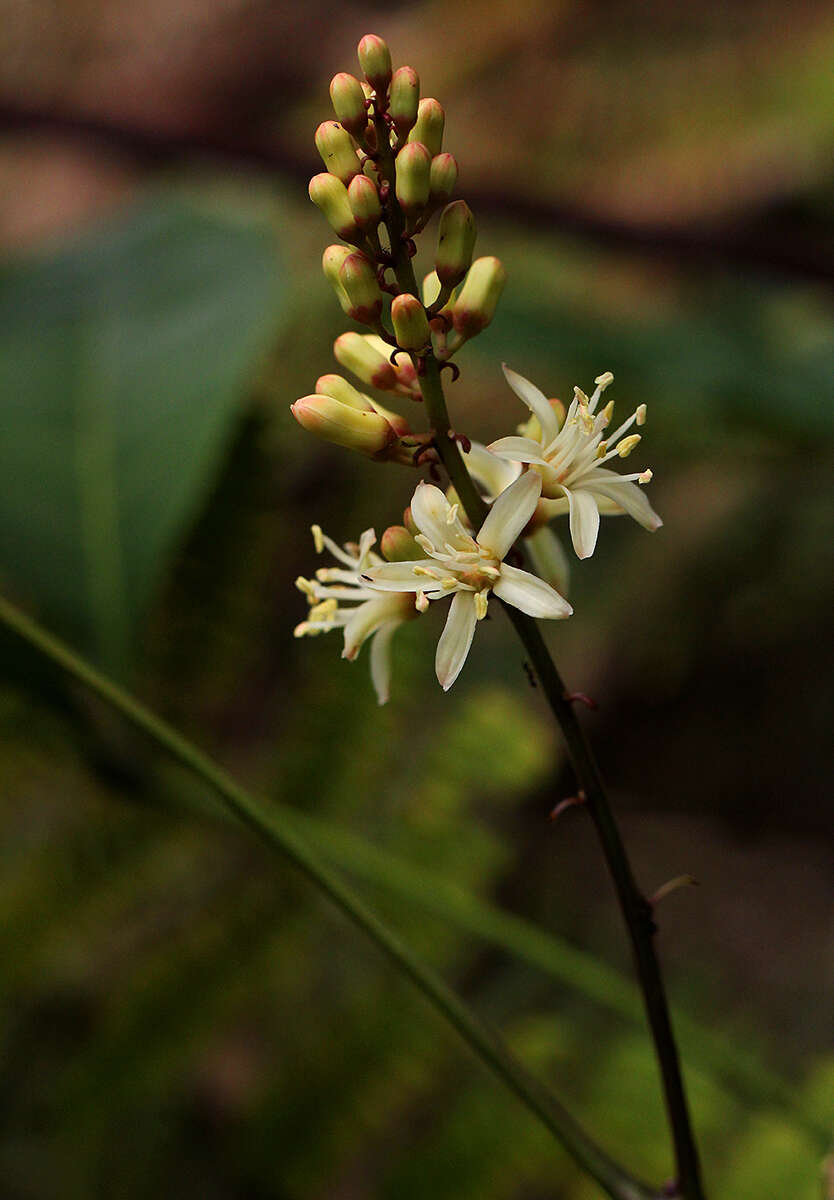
(428, 128)
(337, 151)
(355, 354)
(330, 195)
(348, 101)
(404, 100)
(364, 202)
(375, 61)
(413, 168)
(398, 545)
(399, 424)
(411, 325)
(403, 366)
(455, 243)
(329, 419)
(331, 262)
(443, 177)
(475, 304)
(358, 278)
(340, 389)
(409, 522)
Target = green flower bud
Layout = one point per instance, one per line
(398, 545)
(443, 177)
(413, 169)
(404, 100)
(410, 523)
(455, 243)
(475, 304)
(411, 325)
(375, 61)
(330, 195)
(331, 262)
(337, 151)
(358, 278)
(356, 354)
(340, 389)
(429, 127)
(329, 419)
(399, 424)
(348, 101)
(364, 202)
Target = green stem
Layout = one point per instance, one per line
(636, 910)
(278, 832)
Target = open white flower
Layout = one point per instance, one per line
(340, 599)
(469, 568)
(569, 459)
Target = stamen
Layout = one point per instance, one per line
(302, 629)
(424, 543)
(627, 445)
(452, 514)
(491, 572)
(427, 572)
(326, 609)
(602, 449)
(318, 538)
(640, 415)
(449, 582)
(608, 412)
(645, 476)
(481, 601)
(305, 585)
(421, 602)
(602, 381)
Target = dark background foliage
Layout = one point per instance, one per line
(179, 1014)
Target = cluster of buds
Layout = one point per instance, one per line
(386, 174)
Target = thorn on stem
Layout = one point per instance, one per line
(569, 802)
(573, 697)
(462, 440)
(672, 885)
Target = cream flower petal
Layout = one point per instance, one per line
(455, 639)
(381, 661)
(584, 521)
(518, 449)
(510, 513)
(629, 496)
(364, 621)
(535, 400)
(491, 472)
(430, 511)
(530, 594)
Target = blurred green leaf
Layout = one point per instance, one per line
(122, 361)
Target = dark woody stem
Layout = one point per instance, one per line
(636, 910)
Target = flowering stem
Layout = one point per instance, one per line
(278, 831)
(636, 909)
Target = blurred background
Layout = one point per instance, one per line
(180, 1015)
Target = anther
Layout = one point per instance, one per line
(318, 538)
(627, 444)
(640, 415)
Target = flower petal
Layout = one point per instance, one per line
(518, 449)
(367, 619)
(491, 473)
(535, 400)
(455, 639)
(381, 660)
(510, 513)
(584, 521)
(530, 594)
(629, 496)
(550, 562)
(430, 511)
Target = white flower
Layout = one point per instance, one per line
(569, 460)
(375, 615)
(468, 568)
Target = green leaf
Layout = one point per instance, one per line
(123, 358)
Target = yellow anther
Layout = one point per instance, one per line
(318, 538)
(627, 445)
(324, 574)
(602, 449)
(305, 585)
(490, 572)
(645, 476)
(608, 412)
(602, 381)
(321, 612)
(448, 583)
(452, 514)
(641, 414)
(421, 602)
(301, 629)
(427, 571)
(580, 396)
(481, 600)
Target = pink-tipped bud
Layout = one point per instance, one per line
(413, 169)
(331, 262)
(409, 522)
(398, 545)
(443, 177)
(375, 61)
(364, 202)
(330, 195)
(348, 101)
(358, 278)
(340, 389)
(337, 151)
(477, 300)
(404, 100)
(329, 419)
(399, 424)
(355, 353)
(411, 325)
(455, 243)
(403, 366)
(429, 125)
